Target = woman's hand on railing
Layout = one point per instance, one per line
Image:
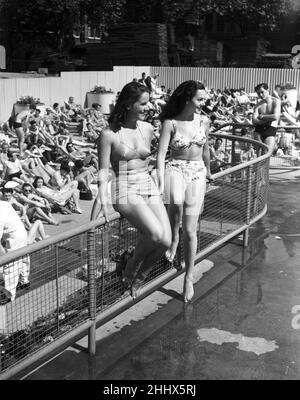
(209, 177)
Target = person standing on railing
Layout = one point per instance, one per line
(183, 181)
(13, 235)
(266, 116)
(126, 146)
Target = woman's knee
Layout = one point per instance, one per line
(166, 240)
(190, 234)
(156, 235)
(161, 236)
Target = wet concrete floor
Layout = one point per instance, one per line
(244, 322)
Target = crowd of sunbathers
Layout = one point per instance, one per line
(56, 164)
(46, 168)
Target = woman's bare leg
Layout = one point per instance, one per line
(76, 200)
(41, 214)
(192, 208)
(159, 211)
(141, 215)
(174, 193)
(72, 194)
(36, 231)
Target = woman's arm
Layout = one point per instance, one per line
(163, 145)
(206, 152)
(45, 197)
(31, 202)
(3, 175)
(40, 199)
(104, 144)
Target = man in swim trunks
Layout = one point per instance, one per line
(266, 116)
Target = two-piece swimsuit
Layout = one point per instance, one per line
(133, 181)
(190, 170)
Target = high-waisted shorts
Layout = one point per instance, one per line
(133, 183)
(189, 170)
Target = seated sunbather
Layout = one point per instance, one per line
(61, 198)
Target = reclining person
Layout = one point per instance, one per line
(55, 196)
(37, 206)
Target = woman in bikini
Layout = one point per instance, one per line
(125, 145)
(183, 180)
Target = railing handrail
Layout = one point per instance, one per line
(24, 251)
(247, 163)
(236, 125)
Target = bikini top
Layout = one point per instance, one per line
(181, 142)
(129, 153)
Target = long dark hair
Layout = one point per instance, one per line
(183, 93)
(128, 96)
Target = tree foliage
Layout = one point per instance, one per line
(59, 17)
(55, 20)
(264, 13)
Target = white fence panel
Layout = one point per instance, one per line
(218, 78)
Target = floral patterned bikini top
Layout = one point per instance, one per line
(181, 142)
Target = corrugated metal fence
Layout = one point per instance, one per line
(77, 84)
(218, 78)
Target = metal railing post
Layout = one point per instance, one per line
(57, 286)
(91, 265)
(248, 204)
(104, 256)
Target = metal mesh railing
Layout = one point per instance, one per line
(286, 155)
(55, 302)
(288, 143)
(75, 277)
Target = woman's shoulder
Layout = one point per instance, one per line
(107, 135)
(169, 122)
(146, 125)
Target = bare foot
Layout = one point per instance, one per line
(171, 252)
(78, 211)
(188, 289)
(126, 283)
(136, 288)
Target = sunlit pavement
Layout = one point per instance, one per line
(242, 324)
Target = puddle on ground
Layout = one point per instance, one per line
(255, 345)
